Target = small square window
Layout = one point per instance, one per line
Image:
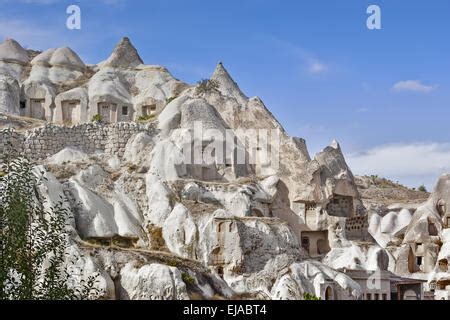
(124, 110)
(377, 296)
(369, 296)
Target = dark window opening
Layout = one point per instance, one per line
(432, 229)
(124, 110)
(419, 261)
(305, 243)
(23, 105)
(441, 207)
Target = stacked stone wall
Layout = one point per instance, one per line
(40, 143)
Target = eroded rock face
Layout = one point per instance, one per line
(155, 222)
(9, 95)
(152, 282)
(180, 232)
(124, 55)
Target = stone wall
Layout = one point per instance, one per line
(41, 143)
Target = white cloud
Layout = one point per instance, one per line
(413, 85)
(411, 164)
(28, 34)
(362, 110)
(316, 67)
(308, 61)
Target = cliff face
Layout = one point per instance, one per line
(206, 196)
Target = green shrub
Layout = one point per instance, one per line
(187, 279)
(310, 296)
(173, 263)
(422, 188)
(157, 239)
(34, 241)
(97, 118)
(132, 168)
(146, 118)
(169, 100)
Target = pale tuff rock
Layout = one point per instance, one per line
(12, 51)
(155, 86)
(291, 287)
(13, 60)
(56, 66)
(9, 95)
(77, 94)
(96, 217)
(67, 155)
(108, 86)
(58, 87)
(180, 232)
(155, 223)
(389, 228)
(124, 55)
(226, 84)
(269, 188)
(152, 282)
(135, 146)
(43, 91)
(82, 267)
(336, 177)
(167, 161)
(159, 203)
(355, 257)
(60, 57)
(170, 118)
(52, 192)
(322, 277)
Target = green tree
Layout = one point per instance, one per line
(310, 296)
(34, 241)
(422, 188)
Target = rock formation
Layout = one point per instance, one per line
(206, 195)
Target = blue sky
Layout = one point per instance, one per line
(383, 94)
